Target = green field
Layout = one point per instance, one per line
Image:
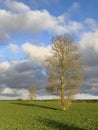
(46, 115)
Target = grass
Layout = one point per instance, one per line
(42, 115)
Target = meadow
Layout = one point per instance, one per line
(47, 115)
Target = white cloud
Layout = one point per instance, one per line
(32, 21)
(7, 91)
(16, 93)
(74, 26)
(35, 52)
(6, 97)
(15, 81)
(85, 96)
(13, 5)
(90, 39)
(4, 66)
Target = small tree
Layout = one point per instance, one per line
(64, 69)
(32, 92)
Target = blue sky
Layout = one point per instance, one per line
(26, 30)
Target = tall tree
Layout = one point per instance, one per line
(32, 92)
(64, 69)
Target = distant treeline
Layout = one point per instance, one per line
(86, 100)
(76, 101)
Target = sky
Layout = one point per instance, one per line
(26, 31)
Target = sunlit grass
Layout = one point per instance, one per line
(42, 115)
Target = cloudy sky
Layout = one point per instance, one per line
(26, 30)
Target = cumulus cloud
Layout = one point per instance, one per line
(7, 92)
(15, 6)
(4, 66)
(89, 52)
(85, 96)
(90, 40)
(36, 52)
(19, 76)
(32, 21)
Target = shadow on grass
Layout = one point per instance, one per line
(34, 105)
(58, 125)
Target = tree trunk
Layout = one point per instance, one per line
(62, 94)
(62, 98)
